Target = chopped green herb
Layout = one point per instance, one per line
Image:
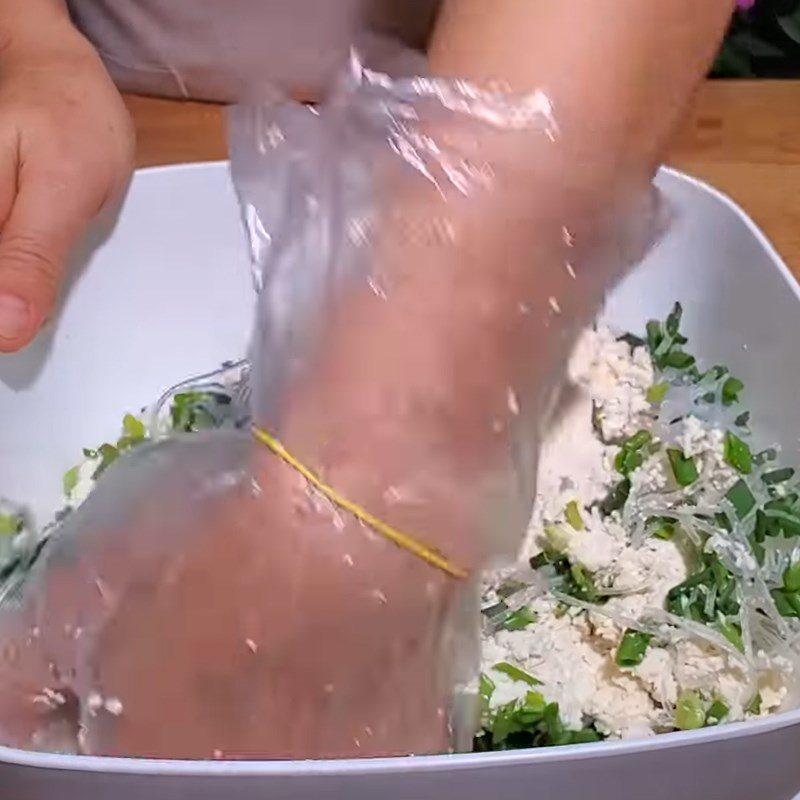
(516, 674)
(573, 516)
(730, 630)
(530, 722)
(631, 455)
(689, 599)
(717, 711)
(519, 620)
(134, 432)
(738, 454)
(657, 392)
(632, 648)
(754, 707)
(107, 454)
(197, 411)
(731, 390)
(684, 469)
(689, 711)
(486, 689)
(678, 359)
(10, 524)
(70, 481)
(579, 583)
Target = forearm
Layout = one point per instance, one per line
(32, 27)
(421, 386)
(619, 72)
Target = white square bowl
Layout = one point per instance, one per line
(165, 293)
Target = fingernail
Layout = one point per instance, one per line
(15, 316)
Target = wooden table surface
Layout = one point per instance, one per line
(743, 137)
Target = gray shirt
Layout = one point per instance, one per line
(222, 49)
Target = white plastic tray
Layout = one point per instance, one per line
(167, 294)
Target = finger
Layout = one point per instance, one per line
(46, 219)
(8, 179)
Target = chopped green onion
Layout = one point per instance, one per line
(743, 420)
(556, 538)
(10, 524)
(486, 688)
(790, 599)
(783, 604)
(134, 433)
(741, 498)
(791, 577)
(738, 454)
(540, 560)
(731, 631)
(616, 498)
(580, 584)
(632, 648)
(507, 588)
(516, 674)
(778, 476)
(657, 392)
(654, 336)
(770, 454)
(584, 736)
(533, 706)
(638, 440)
(689, 712)
(661, 528)
(717, 711)
(552, 721)
(754, 707)
(573, 516)
(673, 322)
(684, 469)
(504, 723)
(70, 480)
(519, 620)
(107, 454)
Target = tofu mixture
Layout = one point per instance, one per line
(658, 587)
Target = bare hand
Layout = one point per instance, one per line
(66, 146)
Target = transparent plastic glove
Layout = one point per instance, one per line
(249, 619)
(422, 269)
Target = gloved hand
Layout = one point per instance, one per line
(423, 269)
(252, 619)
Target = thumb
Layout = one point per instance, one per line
(45, 220)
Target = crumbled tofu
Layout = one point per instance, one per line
(618, 381)
(573, 654)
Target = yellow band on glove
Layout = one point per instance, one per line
(404, 540)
